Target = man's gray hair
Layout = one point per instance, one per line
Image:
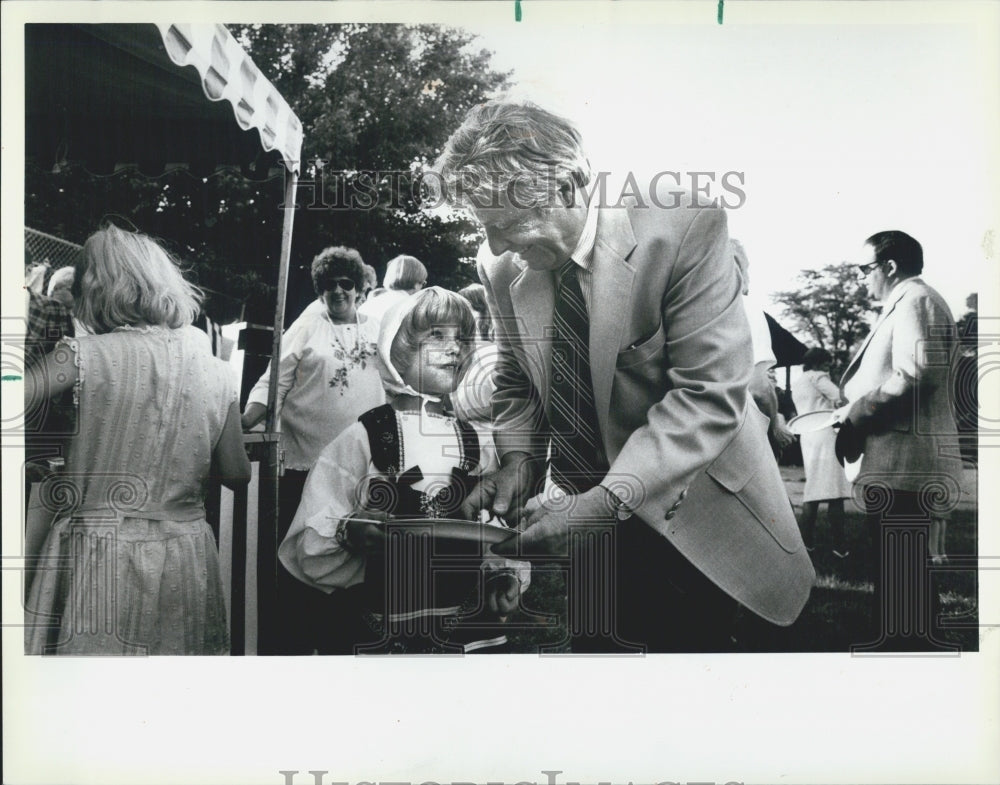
(514, 149)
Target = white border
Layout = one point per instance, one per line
(748, 718)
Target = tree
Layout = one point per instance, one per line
(372, 98)
(377, 103)
(830, 308)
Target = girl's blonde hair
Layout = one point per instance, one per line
(434, 308)
(126, 278)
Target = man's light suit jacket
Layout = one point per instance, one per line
(898, 385)
(670, 356)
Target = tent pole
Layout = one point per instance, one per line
(279, 310)
(268, 500)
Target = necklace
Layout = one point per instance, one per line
(339, 344)
(350, 356)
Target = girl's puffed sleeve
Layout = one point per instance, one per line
(336, 487)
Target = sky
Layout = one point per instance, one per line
(839, 130)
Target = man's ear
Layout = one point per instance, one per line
(891, 268)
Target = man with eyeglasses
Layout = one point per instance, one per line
(894, 432)
(623, 357)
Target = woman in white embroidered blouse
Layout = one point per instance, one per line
(327, 374)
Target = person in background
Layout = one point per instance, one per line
(327, 376)
(825, 479)
(791, 455)
(898, 430)
(761, 388)
(49, 319)
(472, 398)
(60, 288)
(50, 422)
(404, 275)
(217, 344)
(371, 282)
(127, 561)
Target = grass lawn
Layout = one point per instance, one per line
(836, 615)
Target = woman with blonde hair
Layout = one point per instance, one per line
(129, 564)
(404, 276)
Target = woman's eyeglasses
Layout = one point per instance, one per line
(346, 284)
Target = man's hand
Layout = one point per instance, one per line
(850, 443)
(546, 531)
(502, 592)
(780, 433)
(504, 491)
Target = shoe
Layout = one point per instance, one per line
(841, 554)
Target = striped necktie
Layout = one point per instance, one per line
(576, 459)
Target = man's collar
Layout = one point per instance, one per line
(899, 290)
(584, 251)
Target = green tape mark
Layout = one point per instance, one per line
(517, 10)
(10, 378)
(721, 4)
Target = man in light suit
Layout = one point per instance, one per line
(898, 422)
(682, 474)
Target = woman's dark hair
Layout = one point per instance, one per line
(337, 262)
(814, 358)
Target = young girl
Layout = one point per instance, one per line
(409, 459)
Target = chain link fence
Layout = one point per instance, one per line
(47, 248)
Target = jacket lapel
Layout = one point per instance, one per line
(611, 298)
(897, 295)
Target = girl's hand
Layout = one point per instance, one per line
(364, 531)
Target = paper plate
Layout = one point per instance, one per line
(453, 530)
(810, 422)
(853, 468)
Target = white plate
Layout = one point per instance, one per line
(810, 422)
(454, 530)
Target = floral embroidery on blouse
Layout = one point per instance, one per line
(356, 357)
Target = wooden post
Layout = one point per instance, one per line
(238, 579)
(270, 466)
